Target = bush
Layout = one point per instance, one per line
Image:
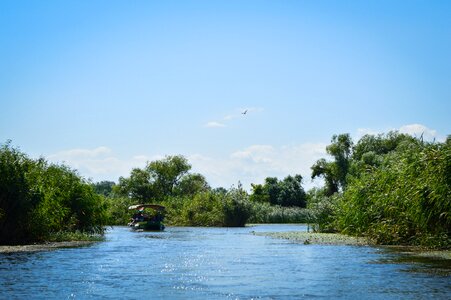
(236, 208)
(323, 210)
(38, 199)
(117, 210)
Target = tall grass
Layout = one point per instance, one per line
(266, 213)
(407, 200)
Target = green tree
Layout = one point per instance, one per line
(104, 188)
(167, 173)
(335, 172)
(259, 194)
(291, 192)
(272, 189)
(190, 185)
(288, 192)
(160, 179)
(139, 186)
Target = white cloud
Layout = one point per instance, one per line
(418, 130)
(214, 124)
(82, 153)
(99, 163)
(256, 162)
(415, 130)
(248, 165)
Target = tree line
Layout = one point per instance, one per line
(189, 200)
(392, 188)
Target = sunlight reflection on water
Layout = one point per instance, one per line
(206, 263)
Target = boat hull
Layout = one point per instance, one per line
(148, 226)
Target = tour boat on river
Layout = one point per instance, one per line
(147, 217)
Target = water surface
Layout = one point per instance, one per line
(215, 263)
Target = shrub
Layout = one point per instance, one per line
(38, 199)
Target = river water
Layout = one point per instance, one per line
(216, 263)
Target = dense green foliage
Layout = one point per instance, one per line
(187, 196)
(287, 192)
(104, 188)
(397, 191)
(335, 172)
(189, 200)
(38, 199)
(210, 208)
(161, 179)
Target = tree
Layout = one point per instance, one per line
(325, 169)
(379, 144)
(259, 194)
(104, 188)
(291, 192)
(140, 186)
(335, 172)
(160, 179)
(191, 184)
(167, 173)
(288, 192)
(272, 189)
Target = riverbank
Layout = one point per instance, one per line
(44, 247)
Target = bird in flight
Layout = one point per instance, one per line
(244, 112)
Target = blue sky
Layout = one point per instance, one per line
(107, 85)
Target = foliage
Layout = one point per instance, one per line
(38, 199)
(288, 192)
(205, 209)
(407, 200)
(104, 188)
(322, 210)
(219, 207)
(236, 207)
(161, 179)
(397, 191)
(335, 172)
(117, 210)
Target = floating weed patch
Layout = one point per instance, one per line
(308, 238)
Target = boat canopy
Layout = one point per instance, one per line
(153, 206)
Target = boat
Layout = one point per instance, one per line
(147, 217)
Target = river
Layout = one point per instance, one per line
(215, 263)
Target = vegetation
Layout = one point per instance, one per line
(267, 213)
(288, 192)
(189, 200)
(38, 200)
(396, 190)
(391, 188)
(187, 196)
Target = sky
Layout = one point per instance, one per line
(105, 86)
